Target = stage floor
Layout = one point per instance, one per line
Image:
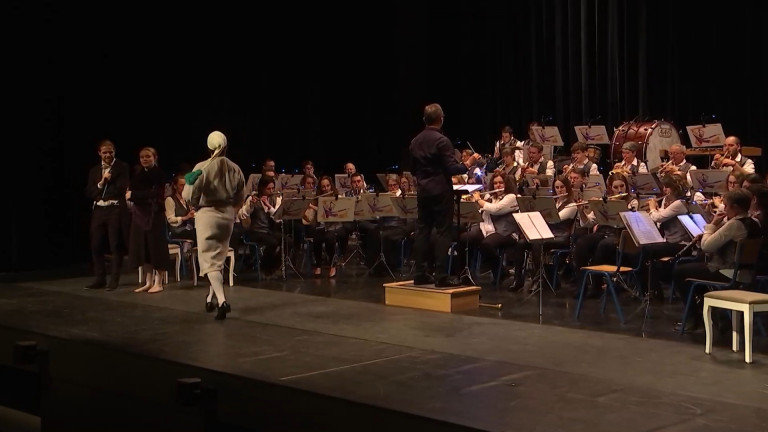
(487, 369)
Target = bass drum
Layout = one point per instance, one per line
(652, 137)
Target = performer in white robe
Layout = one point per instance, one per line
(216, 188)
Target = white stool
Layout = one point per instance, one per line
(230, 255)
(747, 302)
(175, 250)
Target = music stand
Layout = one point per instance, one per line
(644, 232)
(645, 183)
(534, 191)
(531, 179)
(544, 205)
(380, 206)
(288, 182)
(709, 181)
(458, 192)
(361, 212)
(343, 183)
(290, 209)
(595, 182)
(535, 230)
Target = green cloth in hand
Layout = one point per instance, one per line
(191, 178)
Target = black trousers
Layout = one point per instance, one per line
(696, 270)
(107, 226)
(435, 213)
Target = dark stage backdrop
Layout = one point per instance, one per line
(341, 83)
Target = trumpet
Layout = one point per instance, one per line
(570, 166)
(719, 158)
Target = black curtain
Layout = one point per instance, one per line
(339, 83)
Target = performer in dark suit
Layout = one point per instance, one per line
(107, 184)
(433, 162)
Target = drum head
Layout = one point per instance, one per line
(652, 137)
(661, 136)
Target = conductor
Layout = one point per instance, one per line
(433, 162)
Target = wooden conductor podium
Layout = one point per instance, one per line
(406, 294)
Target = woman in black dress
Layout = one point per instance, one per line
(148, 242)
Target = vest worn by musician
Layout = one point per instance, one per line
(260, 219)
(179, 211)
(542, 166)
(684, 168)
(724, 257)
(564, 227)
(633, 169)
(588, 167)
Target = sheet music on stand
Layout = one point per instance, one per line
(641, 227)
(288, 182)
(595, 182)
(336, 209)
(592, 134)
(589, 194)
(690, 225)
(537, 191)
(291, 209)
(696, 208)
(532, 179)
(533, 226)
(709, 181)
(541, 204)
(343, 183)
(469, 212)
(607, 212)
(406, 206)
(379, 205)
(645, 183)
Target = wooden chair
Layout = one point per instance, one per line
(230, 255)
(175, 251)
(747, 302)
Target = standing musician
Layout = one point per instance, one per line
(599, 247)
(579, 159)
(629, 159)
(498, 225)
(732, 159)
(506, 141)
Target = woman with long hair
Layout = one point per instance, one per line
(148, 246)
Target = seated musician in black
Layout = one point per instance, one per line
(719, 243)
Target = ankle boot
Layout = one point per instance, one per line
(224, 309)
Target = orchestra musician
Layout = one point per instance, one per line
(324, 234)
(673, 204)
(732, 159)
(521, 156)
(498, 225)
(263, 229)
(629, 160)
(599, 247)
(536, 164)
(579, 159)
(719, 243)
(506, 141)
(567, 211)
